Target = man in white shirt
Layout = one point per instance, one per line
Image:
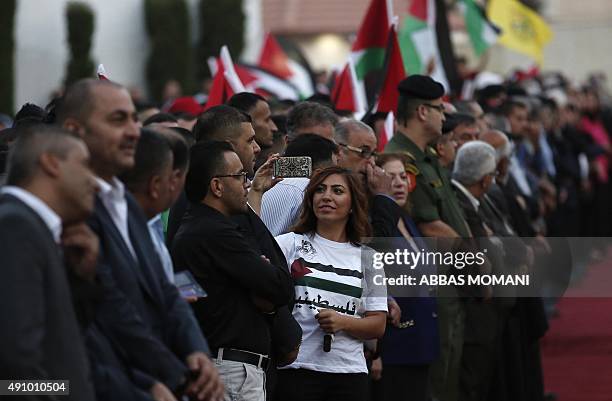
(49, 194)
(142, 311)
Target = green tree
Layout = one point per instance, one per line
(80, 18)
(171, 57)
(221, 23)
(7, 54)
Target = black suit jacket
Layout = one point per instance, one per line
(142, 313)
(384, 215)
(39, 335)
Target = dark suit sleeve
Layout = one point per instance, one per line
(286, 332)
(184, 331)
(384, 216)
(22, 301)
(113, 384)
(122, 321)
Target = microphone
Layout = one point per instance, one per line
(327, 342)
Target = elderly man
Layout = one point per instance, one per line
(473, 173)
(357, 143)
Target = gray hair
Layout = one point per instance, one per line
(474, 161)
(344, 128)
(31, 144)
(307, 114)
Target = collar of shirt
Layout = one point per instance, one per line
(112, 191)
(475, 202)
(51, 219)
(156, 224)
(112, 196)
(405, 142)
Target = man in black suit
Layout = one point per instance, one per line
(473, 172)
(244, 289)
(141, 313)
(49, 185)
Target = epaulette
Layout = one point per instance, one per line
(412, 169)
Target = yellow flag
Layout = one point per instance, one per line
(523, 29)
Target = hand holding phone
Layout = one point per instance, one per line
(291, 167)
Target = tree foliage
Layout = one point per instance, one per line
(7, 55)
(171, 57)
(221, 23)
(80, 22)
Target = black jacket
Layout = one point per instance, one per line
(39, 334)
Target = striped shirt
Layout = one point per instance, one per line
(281, 205)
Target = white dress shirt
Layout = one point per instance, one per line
(475, 202)
(113, 198)
(51, 219)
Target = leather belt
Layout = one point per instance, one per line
(236, 355)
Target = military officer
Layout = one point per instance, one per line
(435, 209)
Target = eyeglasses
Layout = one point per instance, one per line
(242, 174)
(365, 153)
(439, 107)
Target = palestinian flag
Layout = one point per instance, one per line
(394, 74)
(332, 280)
(387, 133)
(482, 32)
(425, 42)
(265, 83)
(225, 82)
(347, 94)
(368, 51)
(274, 60)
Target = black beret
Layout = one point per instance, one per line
(421, 87)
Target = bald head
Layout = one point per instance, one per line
(78, 102)
(495, 138)
(499, 141)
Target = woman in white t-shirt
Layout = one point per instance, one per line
(335, 296)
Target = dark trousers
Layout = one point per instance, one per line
(309, 385)
(402, 383)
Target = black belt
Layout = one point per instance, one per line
(236, 355)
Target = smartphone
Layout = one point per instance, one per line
(188, 286)
(290, 167)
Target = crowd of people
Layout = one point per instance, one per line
(105, 204)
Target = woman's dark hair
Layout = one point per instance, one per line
(357, 226)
